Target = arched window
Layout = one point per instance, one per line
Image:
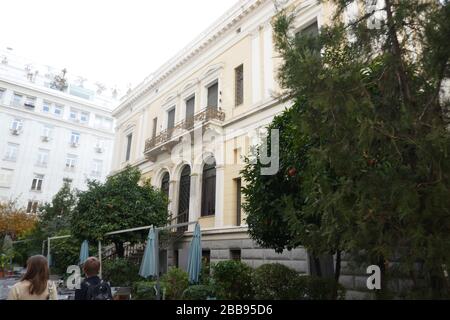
(184, 195)
(165, 183)
(209, 189)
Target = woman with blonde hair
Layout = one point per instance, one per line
(35, 284)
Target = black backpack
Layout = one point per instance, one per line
(100, 291)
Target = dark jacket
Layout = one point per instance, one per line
(81, 294)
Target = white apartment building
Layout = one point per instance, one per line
(51, 129)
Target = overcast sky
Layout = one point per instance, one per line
(114, 41)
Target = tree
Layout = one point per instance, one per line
(53, 219)
(265, 195)
(56, 215)
(119, 203)
(377, 176)
(14, 221)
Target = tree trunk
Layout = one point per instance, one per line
(119, 249)
(382, 293)
(397, 53)
(317, 266)
(337, 272)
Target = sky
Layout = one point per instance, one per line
(117, 42)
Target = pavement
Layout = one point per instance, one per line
(5, 285)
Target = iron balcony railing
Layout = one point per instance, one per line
(205, 115)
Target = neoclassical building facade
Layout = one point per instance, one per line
(189, 125)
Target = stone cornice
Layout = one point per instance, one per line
(224, 24)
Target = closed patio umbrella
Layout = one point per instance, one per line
(148, 264)
(195, 255)
(84, 252)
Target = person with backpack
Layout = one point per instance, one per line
(92, 287)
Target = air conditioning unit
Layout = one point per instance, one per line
(45, 138)
(98, 149)
(15, 132)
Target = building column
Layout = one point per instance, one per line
(220, 182)
(173, 197)
(142, 134)
(256, 67)
(194, 199)
(268, 61)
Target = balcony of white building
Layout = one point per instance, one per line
(207, 118)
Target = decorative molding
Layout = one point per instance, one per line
(228, 21)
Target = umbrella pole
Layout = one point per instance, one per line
(100, 257)
(158, 289)
(48, 251)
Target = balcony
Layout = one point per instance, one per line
(171, 136)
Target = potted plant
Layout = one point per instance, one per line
(3, 261)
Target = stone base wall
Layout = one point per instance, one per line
(253, 255)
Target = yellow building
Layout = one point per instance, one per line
(189, 125)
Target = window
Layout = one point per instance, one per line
(171, 118)
(184, 197)
(98, 121)
(103, 123)
(42, 159)
(84, 117)
(165, 183)
(190, 107)
(213, 97)
(239, 85)
(36, 185)
(238, 183)
(12, 150)
(155, 122)
(59, 110)
(107, 124)
(209, 189)
(46, 106)
(97, 166)
(16, 126)
(32, 206)
(6, 177)
(30, 102)
(71, 161)
(206, 256)
(73, 115)
(47, 133)
(128, 152)
(67, 180)
(235, 254)
(100, 146)
(17, 99)
(2, 93)
(311, 30)
(74, 139)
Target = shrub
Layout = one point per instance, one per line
(205, 277)
(175, 281)
(320, 288)
(144, 290)
(232, 280)
(198, 292)
(120, 272)
(277, 282)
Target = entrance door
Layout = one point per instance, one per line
(183, 201)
